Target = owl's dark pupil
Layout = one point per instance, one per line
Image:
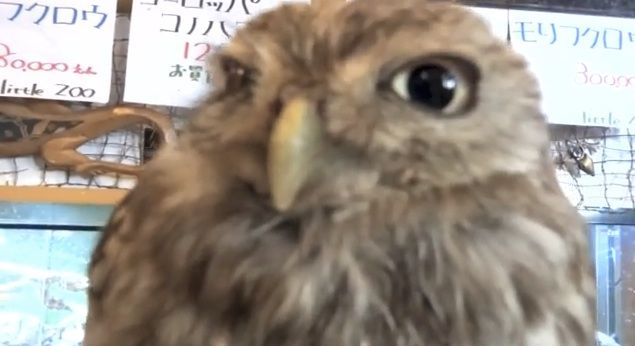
(432, 85)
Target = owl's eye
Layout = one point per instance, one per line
(440, 86)
(237, 76)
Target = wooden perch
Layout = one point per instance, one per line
(58, 131)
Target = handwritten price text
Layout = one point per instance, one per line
(586, 77)
(197, 51)
(10, 59)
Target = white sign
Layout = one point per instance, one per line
(57, 49)
(170, 41)
(496, 18)
(585, 65)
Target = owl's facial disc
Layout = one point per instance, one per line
(298, 148)
(294, 148)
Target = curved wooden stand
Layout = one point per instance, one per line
(58, 132)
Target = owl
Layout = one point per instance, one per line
(373, 173)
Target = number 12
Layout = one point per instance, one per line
(202, 53)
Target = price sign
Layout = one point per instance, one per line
(57, 49)
(584, 65)
(170, 41)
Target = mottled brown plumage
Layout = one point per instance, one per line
(317, 198)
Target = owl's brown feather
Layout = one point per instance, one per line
(413, 229)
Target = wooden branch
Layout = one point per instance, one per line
(59, 148)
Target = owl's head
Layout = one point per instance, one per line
(401, 94)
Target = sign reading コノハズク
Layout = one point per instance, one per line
(585, 65)
(57, 49)
(170, 41)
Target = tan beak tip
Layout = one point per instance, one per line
(281, 205)
(295, 140)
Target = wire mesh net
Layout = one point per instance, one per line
(612, 153)
(121, 146)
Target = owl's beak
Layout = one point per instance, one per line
(294, 145)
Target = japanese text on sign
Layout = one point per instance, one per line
(171, 39)
(220, 6)
(46, 56)
(583, 64)
(42, 14)
(573, 31)
(201, 17)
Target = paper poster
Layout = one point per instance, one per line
(170, 41)
(585, 65)
(497, 19)
(57, 49)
